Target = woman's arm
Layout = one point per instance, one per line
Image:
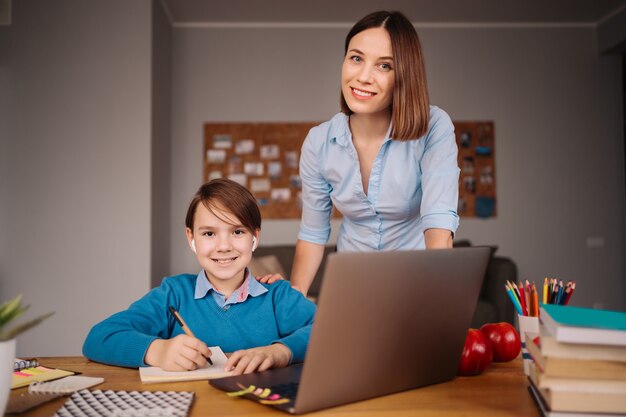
(306, 262)
(438, 239)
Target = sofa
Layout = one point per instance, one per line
(493, 304)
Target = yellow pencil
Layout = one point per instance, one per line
(545, 290)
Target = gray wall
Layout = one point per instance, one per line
(92, 207)
(161, 145)
(555, 101)
(75, 163)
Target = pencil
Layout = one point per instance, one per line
(522, 299)
(571, 291)
(555, 293)
(513, 289)
(185, 328)
(545, 290)
(509, 291)
(535, 298)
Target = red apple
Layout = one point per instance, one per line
(504, 339)
(476, 356)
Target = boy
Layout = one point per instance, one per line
(264, 325)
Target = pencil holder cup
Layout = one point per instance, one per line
(527, 325)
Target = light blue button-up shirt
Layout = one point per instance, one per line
(249, 288)
(413, 187)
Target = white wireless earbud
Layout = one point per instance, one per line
(253, 243)
(193, 246)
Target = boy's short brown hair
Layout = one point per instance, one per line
(225, 194)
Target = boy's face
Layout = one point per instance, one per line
(222, 245)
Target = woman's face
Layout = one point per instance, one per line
(367, 74)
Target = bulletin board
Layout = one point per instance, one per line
(264, 158)
(477, 181)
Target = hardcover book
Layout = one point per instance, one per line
(570, 324)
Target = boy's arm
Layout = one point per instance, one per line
(294, 319)
(123, 338)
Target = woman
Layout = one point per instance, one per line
(387, 162)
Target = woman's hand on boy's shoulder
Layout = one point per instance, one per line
(259, 359)
(180, 353)
(270, 278)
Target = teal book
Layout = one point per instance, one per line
(570, 324)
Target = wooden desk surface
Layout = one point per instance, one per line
(500, 391)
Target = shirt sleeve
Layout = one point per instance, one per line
(440, 175)
(294, 316)
(316, 202)
(123, 338)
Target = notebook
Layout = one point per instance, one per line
(38, 373)
(41, 392)
(374, 309)
(19, 364)
(65, 385)
(154, 374)
(127, 403)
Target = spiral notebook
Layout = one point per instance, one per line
(19, 364)
(27, 371)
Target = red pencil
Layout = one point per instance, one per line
(522, 298)
(569, 295)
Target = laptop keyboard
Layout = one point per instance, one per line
(288, 390)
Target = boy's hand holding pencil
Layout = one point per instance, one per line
(180, 353)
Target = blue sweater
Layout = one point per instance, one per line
(282, 314)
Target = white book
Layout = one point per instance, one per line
(154, 374)
(66, 385)
(552, 347)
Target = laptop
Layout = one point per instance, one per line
(386, 322)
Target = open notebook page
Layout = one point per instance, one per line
(155, 374)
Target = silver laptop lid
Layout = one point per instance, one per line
(388, 322)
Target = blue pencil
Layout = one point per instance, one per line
(516, 304)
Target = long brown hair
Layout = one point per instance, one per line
(410, 109)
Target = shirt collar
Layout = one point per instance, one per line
(203, 286)
(344, 136)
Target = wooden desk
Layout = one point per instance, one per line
(501, 391)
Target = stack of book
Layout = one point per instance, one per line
(579, 362)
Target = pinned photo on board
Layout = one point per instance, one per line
(222, 141)
(467, 166)
(281, 195)
(216, 156)
(291, 159)
(244, 147)
(253, 168)
(241, 179)
(235, 165)
(274, 170)
(466, 139)
(259, 185)
(269, 151)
